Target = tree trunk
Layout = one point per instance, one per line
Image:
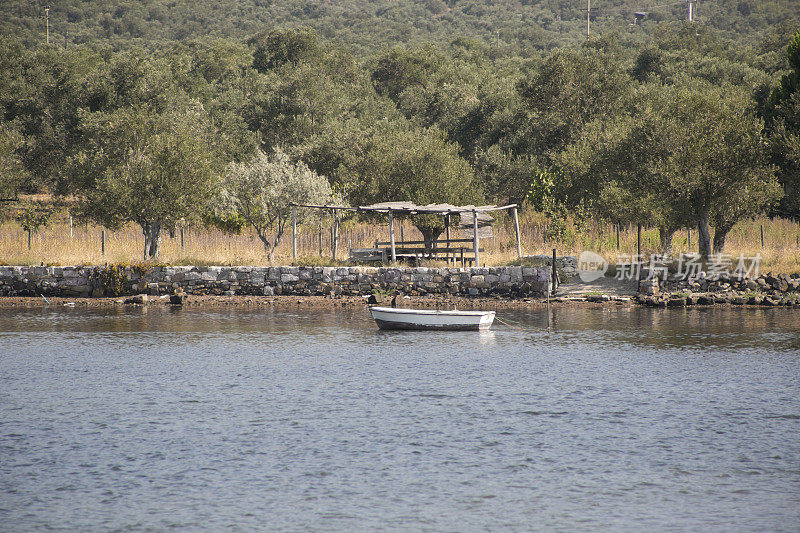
(430, 236)
(152, 238)
(720, 232)
(665, 236)
(703, 236)
(265, 240)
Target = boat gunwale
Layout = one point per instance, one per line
(431, 312)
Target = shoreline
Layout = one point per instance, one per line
(427, 301)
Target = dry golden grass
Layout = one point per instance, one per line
(53, 244)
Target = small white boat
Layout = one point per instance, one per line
(398, 318)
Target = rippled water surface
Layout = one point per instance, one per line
(313, 420)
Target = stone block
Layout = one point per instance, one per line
(209, 275)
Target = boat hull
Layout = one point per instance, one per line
(423, 319)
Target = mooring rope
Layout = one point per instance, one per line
(516, 325)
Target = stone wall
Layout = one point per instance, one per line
(98, 281)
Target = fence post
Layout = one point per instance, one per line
(617, 237)
(294, 234)
(29, 239)
(762, 236)
(516, 228)
(181, 238)
(689, 238)
(320, 239)
(475, 237)
(639, 242)
(102, 242)
(554, 272)
(71, 236)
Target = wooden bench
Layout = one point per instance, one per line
(417, 250)
(365, 255)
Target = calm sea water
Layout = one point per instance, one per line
(614, 419)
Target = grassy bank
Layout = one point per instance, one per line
(58, 243)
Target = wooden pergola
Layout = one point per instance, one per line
(476, 214)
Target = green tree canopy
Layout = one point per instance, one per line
(154, 169)
(417, 165)
(262, 191)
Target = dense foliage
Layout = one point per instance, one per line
(136, 109)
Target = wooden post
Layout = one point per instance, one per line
(447, 237)
(475, 237)
(554, 272)
(71, 236)
(762, 236)
(689, 237)
(391, 236)
(320, 239)
(294, 234)
(617, 237)
(29, 239)
(335, 234)
(402, 237)
(516, 228)
(181, 238)
(102, 242)
(639, 242)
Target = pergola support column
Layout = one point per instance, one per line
(516, 228)
(391, 236)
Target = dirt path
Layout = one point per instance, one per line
(605, 285)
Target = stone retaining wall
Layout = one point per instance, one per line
(98, 281)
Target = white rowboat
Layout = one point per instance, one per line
(397, 318)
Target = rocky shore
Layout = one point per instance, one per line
(764, 290)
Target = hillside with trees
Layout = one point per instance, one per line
(143, 112)
(368, 25)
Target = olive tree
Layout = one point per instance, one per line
(417, 165)
(142, 166)
(262, 190)
(688, 154)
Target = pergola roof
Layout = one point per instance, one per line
(410, 208)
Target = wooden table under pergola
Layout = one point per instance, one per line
(470, 215)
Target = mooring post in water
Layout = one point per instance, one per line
(294, 234)
(102, 242)
(554, 272)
